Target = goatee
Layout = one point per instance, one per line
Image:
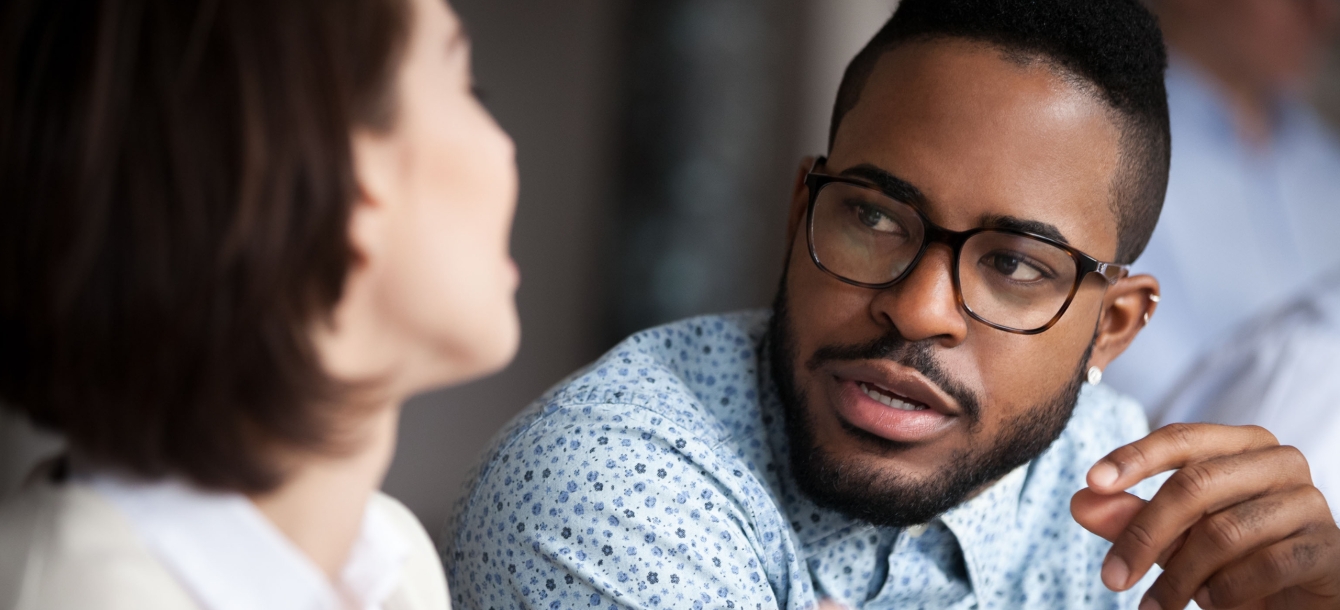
(884, 496)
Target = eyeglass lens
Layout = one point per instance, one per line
(1006, 279)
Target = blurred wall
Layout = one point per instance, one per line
(706, 126)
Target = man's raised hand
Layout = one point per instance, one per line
(1238, 524)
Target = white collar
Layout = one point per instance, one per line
(230, 557)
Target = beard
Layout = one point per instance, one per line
(884, 496)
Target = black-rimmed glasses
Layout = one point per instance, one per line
(1015, 281)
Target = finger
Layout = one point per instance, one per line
(1105, 515)
(1173, 446)
(1222, 537)
(1108, 516)
(1191, 493)
(829, 604)
(1302, 561)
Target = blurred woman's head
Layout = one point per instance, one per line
(227, 224)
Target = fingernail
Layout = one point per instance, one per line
(1150, 604)
(1202, 598)
(1115, 572)
(1103, 474)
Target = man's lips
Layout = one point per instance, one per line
(892, 401)
(893, 379)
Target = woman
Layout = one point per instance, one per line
(234, 237)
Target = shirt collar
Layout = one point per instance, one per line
(230, 557)
(987, 523)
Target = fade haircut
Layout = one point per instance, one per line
(1113, 47)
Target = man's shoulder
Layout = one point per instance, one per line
(691, 356)
(689, 385)
(698, 374)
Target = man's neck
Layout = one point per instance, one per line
(321, 503)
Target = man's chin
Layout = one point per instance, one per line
(853, 444)
(874, 480)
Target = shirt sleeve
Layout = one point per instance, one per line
(616, 508)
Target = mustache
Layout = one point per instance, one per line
(917, 356)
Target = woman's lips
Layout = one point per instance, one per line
(881, 412)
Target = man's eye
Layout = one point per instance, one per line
(1014, 267)
(876, 219)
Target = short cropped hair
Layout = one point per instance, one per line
(1114, 47)
(177, 183)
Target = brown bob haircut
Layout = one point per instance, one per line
(176, 183)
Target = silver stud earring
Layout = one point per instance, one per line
(1095, 375)
(1146, 317)
(1155, 298)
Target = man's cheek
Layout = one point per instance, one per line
(1006, 373)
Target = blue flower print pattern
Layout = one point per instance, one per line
(657, 478)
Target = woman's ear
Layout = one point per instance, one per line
(375, 167)
(1127, 307)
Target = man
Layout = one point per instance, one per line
(907, 427)
(1251, 217)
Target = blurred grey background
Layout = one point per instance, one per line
(657, 142)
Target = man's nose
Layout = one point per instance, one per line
(923, 306)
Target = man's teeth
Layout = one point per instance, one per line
(889, 400)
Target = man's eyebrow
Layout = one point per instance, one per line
(904, 191)
(1021, 224)
(892, 185)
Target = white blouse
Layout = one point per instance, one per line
(97, 541)
(231, 557)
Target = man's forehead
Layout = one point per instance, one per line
(983, 137)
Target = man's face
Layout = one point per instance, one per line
(987, 140)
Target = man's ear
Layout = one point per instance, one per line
(1127, 308)
(800, 200)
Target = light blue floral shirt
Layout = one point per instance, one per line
(658, 478)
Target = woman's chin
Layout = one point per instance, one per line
(487, 353)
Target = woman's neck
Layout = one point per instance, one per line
(320, 506)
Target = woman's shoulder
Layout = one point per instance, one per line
(423, 584)
(64, 546)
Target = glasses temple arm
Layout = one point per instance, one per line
(1113, 272)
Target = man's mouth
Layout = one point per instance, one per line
(891, 401)
(888, 398)
(876, 409)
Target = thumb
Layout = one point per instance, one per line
(1105, 515)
